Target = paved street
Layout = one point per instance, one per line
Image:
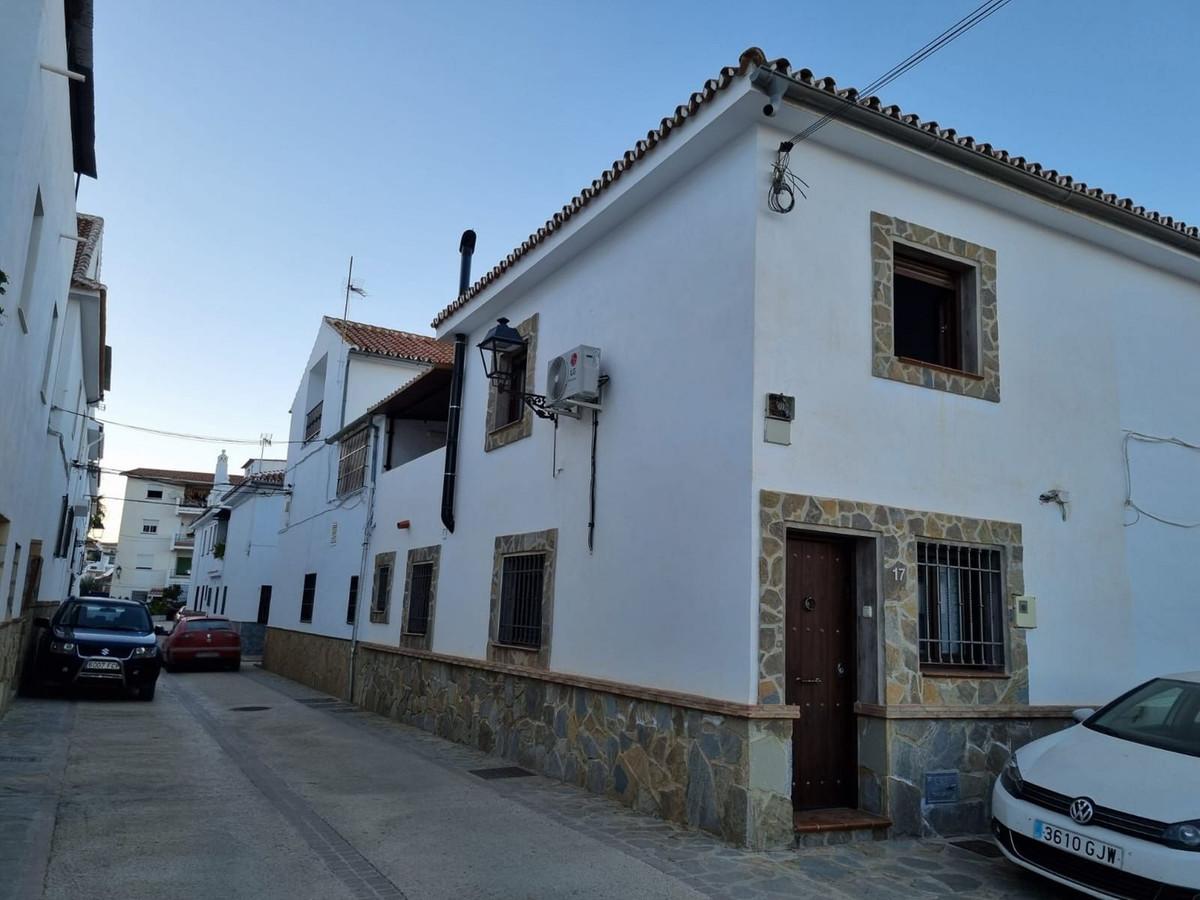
(249, 785)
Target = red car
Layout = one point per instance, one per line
(203, 640)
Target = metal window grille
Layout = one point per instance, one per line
(352, 600)
(383, 589)
(312, 423)
(352, 463)
(961, 601)
(308, 598)
(521, 600)
(420, 588)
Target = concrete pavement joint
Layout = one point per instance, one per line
(348, 865)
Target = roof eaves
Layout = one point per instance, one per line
(824, 94)
(751, 58)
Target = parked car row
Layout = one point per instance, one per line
(102, 640)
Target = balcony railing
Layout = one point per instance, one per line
(181, 541)
(312, 423)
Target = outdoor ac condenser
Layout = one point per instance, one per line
(573, 377)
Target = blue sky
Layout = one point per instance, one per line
(247, 149)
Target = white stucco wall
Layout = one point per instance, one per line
(320, 532)
(662, 600)
(35, 153)
(132, 543)
(250, 559)
(1090, 343)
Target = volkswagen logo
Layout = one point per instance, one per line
(104, 652)
(1082, 810)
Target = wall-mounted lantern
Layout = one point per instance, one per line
(498, 343)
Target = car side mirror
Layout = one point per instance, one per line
(158, 629)
(1083, 714)
(41, 622)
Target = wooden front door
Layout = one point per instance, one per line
(820, 644)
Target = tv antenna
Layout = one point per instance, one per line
(351, 288)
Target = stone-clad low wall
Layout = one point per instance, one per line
(16, 638)
(685, 765)
(321, 662)
(968, 753)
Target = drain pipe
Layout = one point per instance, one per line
(466, 247)
(368, 530)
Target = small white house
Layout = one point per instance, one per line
(236, 546)
(321, 556)
(54, 365)
(868, 488)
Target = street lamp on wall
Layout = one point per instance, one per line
(496, 349)
(502, 340)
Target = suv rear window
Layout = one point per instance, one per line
(102, 614)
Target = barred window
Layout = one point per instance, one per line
(961, 599)
(308, 598)
(352, 463)
(521, 600)
(419, 591)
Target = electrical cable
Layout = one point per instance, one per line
(183, 435)
(955, 31)
(1129, 502)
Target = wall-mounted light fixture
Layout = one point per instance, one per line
(496, 345)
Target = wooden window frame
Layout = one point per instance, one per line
(958, 350)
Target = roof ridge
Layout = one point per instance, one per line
(753, 57)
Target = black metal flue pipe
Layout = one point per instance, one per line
(466, 247)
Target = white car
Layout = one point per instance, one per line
(1111, 806)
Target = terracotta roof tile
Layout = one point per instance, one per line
(389, 342)
(176, 475)
(750, 60)
(89, 228)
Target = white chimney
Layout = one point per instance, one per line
(220, 479)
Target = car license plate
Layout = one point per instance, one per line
(207, 654)
(1079, 844)
(103, 665)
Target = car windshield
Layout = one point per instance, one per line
(109, 616)
(1163, 713)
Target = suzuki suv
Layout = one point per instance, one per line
(97, 640)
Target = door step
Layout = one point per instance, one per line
(821, 827)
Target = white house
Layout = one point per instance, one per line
(54, 364)
(879, 488)
(236, 547)
(321, 554)
(155, 544)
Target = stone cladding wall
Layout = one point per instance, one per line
(681, 764)
(16, 640)
(321, 662)
(975, 749)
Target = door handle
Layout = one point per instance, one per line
(810, 680)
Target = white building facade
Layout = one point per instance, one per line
(853, 521)
(235, 557)
(53, 361)
(321, 556)
(155, 546)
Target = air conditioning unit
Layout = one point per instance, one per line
(573, 379)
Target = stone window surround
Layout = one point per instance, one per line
(379, 616)
(495, 438)
(512, 545)
(984, 384)
(896, 532)
(417, 555)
